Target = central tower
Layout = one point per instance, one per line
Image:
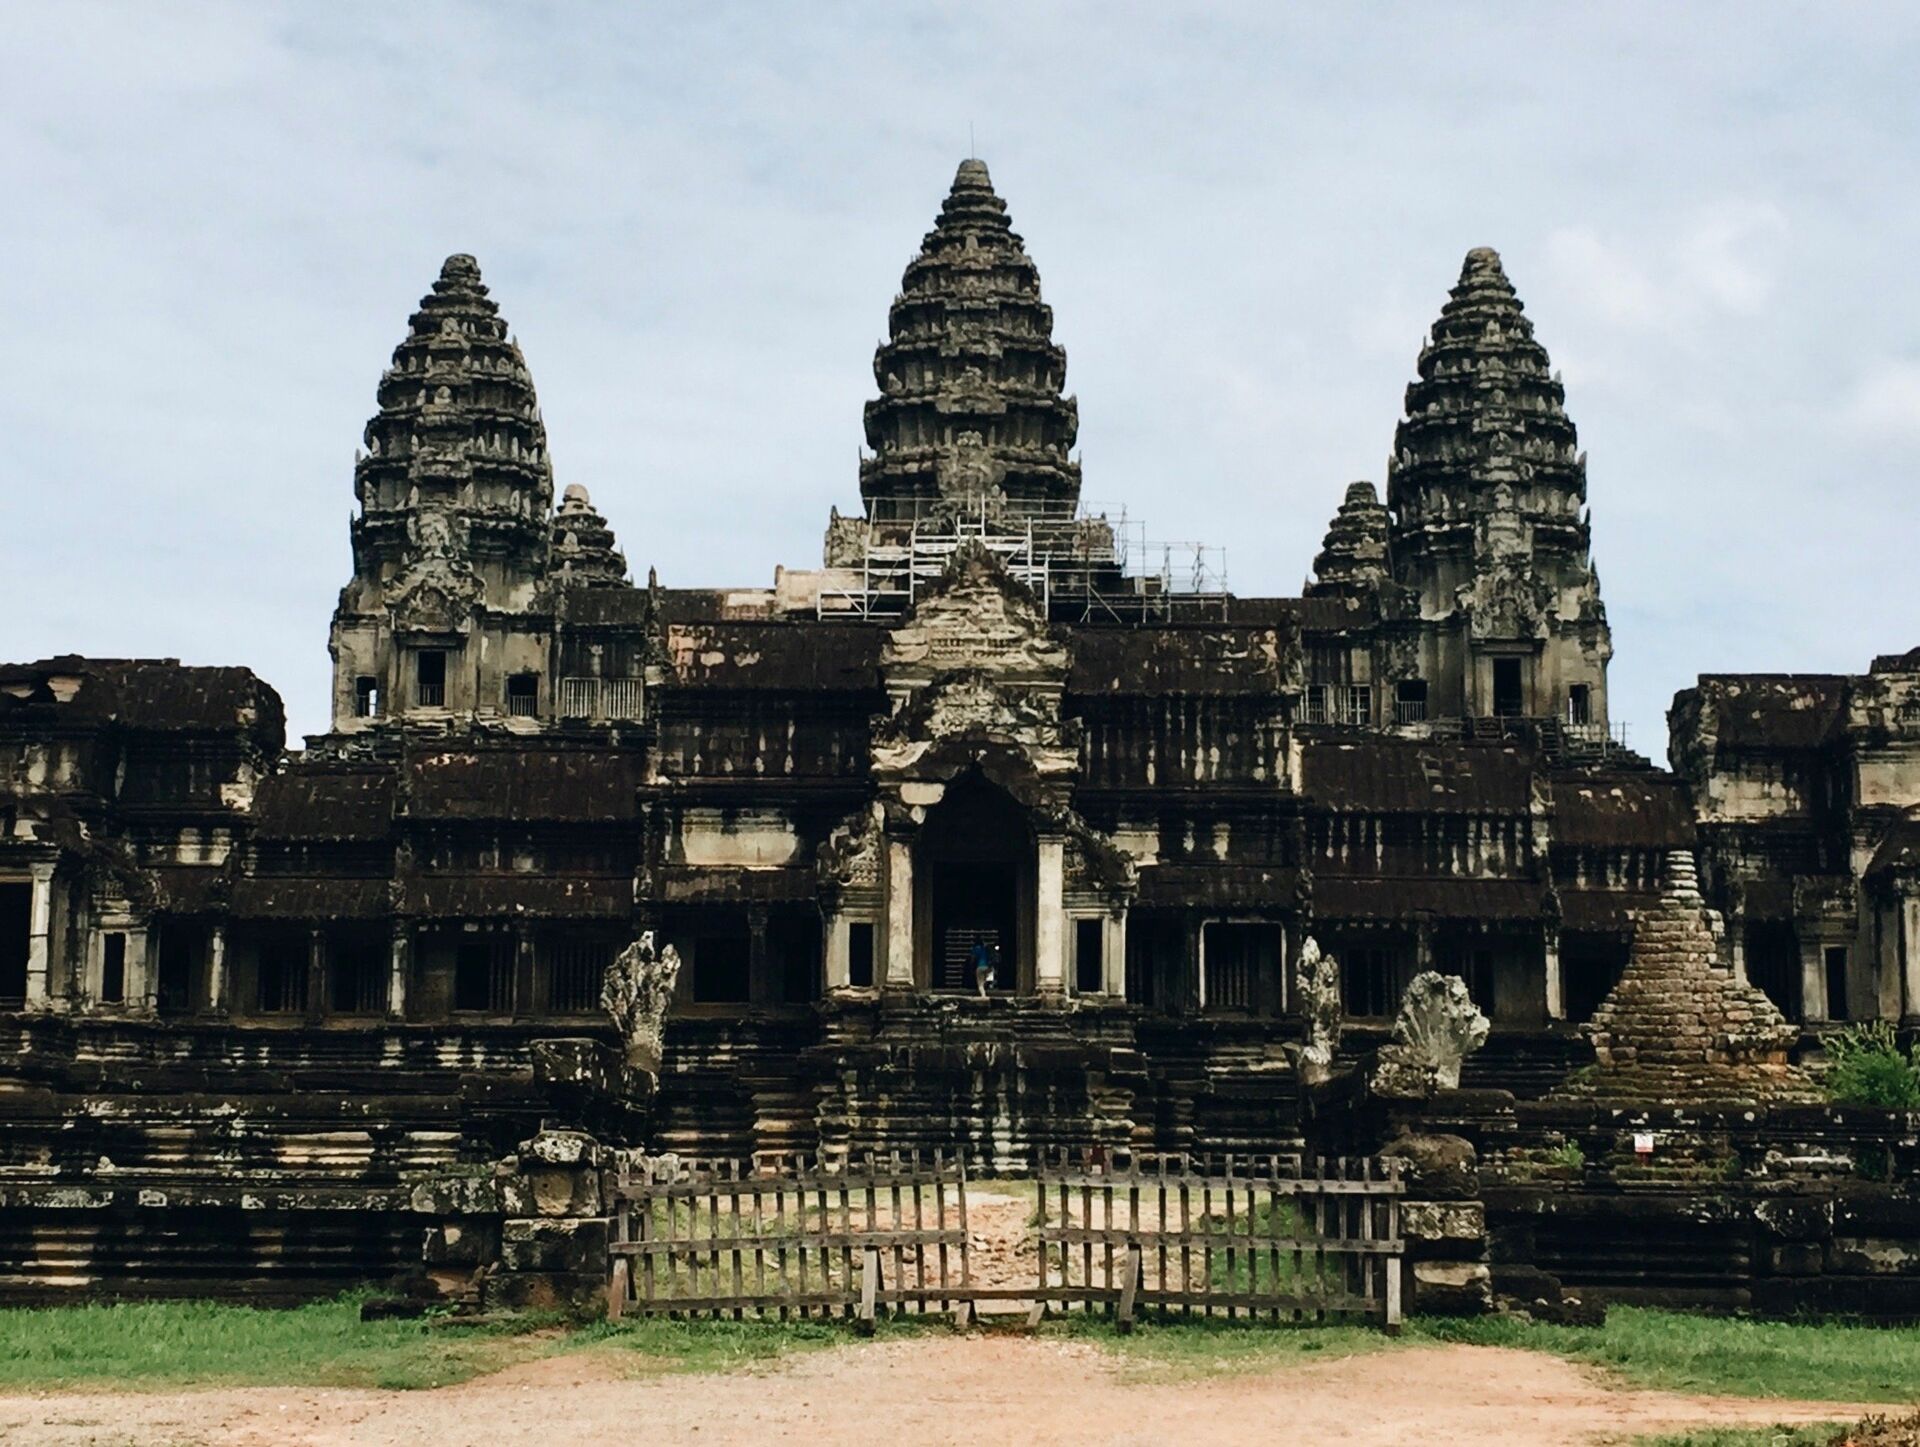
(970, 420)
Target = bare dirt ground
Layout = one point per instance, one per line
(936, 1389)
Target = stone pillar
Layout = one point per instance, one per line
(1050, 920)
(399, 970)
(899, 914)
(523, 1001)
(759, 974)
(219, 982)
(835, 958)
(40, 939)
(316, 975)
(1556, 984)
(142, 993)
(1115, 959)
(1813, 979)
(1910, 953)
(1423, 947)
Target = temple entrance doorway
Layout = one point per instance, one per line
(977, 858)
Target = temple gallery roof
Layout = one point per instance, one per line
(153, 694)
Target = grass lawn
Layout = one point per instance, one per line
(1817, 1361)
(169, 1344)
(1747, 1437)
(166, 1344)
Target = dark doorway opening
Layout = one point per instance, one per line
(1773, 964)
(977, 858)
(1509, 701)
(16, 927)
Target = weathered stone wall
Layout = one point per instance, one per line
(1779, 1209)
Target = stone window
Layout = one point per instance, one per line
(1509, 693)
(430, 676)
(1236, 959)
(1359, 704)
(483, 975)
(1366, 982)
(1089, 959)
(113, 968)
(576, 969)
(523, 695)
(357, 967)
(1773, 963)
(1579, 704)
(366, 697)
(721, 970)
(1319, 703)
(1410, 701)
(860, 954)
(181, 947)
(1836, 961)
(16, 925)
(793, 945)
(280, 983)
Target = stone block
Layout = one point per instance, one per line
(458, 1196)
(1797, 1258)
(576, 1245)
(1450, 1288)
(461, 1243)
(1874, 1256)
(1789, 1218)
(574, 1293)
(1443, 1221)
(1437, 1167)
(560, 1148)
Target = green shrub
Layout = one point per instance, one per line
(1869, 1068)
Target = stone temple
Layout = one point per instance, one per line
(270, 985)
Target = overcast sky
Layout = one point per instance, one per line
(217, 218)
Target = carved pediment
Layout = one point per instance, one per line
(434, 595)
(971, 709)
(977, 618)
(1506, 602)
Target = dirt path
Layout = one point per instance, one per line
(936, 1389)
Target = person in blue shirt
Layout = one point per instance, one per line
(983, 967)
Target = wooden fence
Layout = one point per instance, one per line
(1264, 1239)
(791, 1238)
(1270, 1238)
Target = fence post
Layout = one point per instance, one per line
(869, 1289)
(1395, 1264)
(1129, 1289)
(617, 1288)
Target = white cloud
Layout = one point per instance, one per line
(1885, 405)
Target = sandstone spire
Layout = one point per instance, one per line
(1488, 487)
(584, 555)
(1680, 1027)
(1352, 562)
(458, 436)
(970, 412)
(1485, 409)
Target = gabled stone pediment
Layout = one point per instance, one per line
(434, 595)
(976, 618)
(964, 716)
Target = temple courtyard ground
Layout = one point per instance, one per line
(941, 1388)
(199, 1373)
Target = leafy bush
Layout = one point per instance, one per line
(1869, 1068)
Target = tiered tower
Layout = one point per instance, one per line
(584, 554)
(1353, 559)
(452, 540)
(970, 417)
(1490, 539)
(1681, 1027)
